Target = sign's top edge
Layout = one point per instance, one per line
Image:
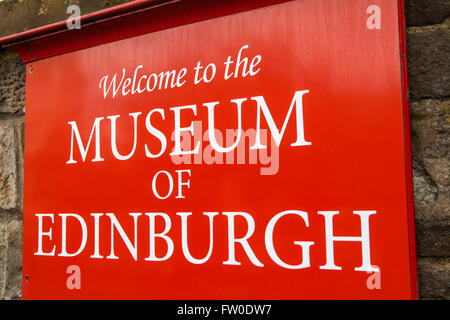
(61, 26)
(120, 22)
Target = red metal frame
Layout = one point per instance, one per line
(85, 19)
(408, 160)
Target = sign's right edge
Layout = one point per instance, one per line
(407, 151)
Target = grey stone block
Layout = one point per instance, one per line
(429, 61)
(8, 172)
(426, 12)
(12, 83)
(13, 271)
(434, 278)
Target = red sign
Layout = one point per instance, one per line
(257, 155)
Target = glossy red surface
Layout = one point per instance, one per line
(354, 116)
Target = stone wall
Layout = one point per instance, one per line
(12, 108)
(428, 40)
(428, 44)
